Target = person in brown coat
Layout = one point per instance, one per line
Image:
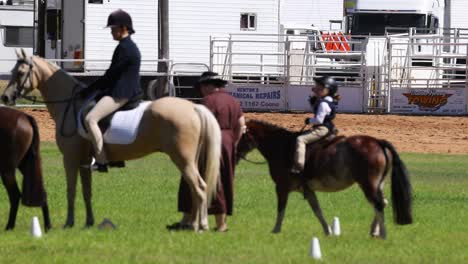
(229, 114)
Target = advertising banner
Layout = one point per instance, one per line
(259, 97)
(428, 101)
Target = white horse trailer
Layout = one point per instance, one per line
(191, 25)
(456, 14)
(312, 13)
(16, 31)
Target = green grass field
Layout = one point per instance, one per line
(141, 200)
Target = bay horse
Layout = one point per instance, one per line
(332, 165)
(19, 141)
(187, 132)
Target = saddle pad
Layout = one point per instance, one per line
(124, 126)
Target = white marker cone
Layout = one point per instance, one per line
(36, 227)
(336, 226)
(315, 251)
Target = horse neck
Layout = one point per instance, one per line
(55, 85)
(273, 146)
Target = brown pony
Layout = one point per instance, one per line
(19, 141)
(332, 165)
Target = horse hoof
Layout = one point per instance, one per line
(48, 228)
(89, 223)
(378, 236)
(68, 225)
(276, 231)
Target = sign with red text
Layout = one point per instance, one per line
(428, 101)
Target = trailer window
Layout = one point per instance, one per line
(18, 37)
(248, 21)
(375, 24)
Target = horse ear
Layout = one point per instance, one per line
(19, 54)
(24, 53)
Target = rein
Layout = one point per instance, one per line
(254, 162)
(265, 162)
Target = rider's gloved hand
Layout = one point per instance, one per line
(307, 121)
(85, 93)
(312, 100)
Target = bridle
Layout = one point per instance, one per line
(71, 101)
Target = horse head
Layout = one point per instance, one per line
(255, 132)
(21, 82)
(246, 144)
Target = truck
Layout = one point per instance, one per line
(375, 17)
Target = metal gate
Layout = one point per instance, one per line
(426, 74)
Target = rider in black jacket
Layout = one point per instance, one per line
(120, 83)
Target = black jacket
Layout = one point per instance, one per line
(122, 79)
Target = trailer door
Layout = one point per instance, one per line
(73, 34)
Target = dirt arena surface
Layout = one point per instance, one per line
(418, 134)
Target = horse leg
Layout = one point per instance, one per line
(314, 204)
(376, 198)
(203, 213)
(71, 171)
(45, 213)
(282, 194)
(199, 219)
(14, 195)
(86, 185)
(379, 205)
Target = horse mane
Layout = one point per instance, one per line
(59, 70)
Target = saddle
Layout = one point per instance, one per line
(120, 127)
(327, 138)
(313, 149)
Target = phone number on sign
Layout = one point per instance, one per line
(259, 104)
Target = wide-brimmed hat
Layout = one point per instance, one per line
(210, 77)
(120, 18)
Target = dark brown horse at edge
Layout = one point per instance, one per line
(332, 165)
(19, 148)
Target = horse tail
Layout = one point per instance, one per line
(401, 187)
(209, 150)
(33, 185)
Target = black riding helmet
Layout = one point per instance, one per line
(328, 82)
(120, 18)
(210, 77)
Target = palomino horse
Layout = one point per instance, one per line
(188, 133)
(19, 141)
(331, 166)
